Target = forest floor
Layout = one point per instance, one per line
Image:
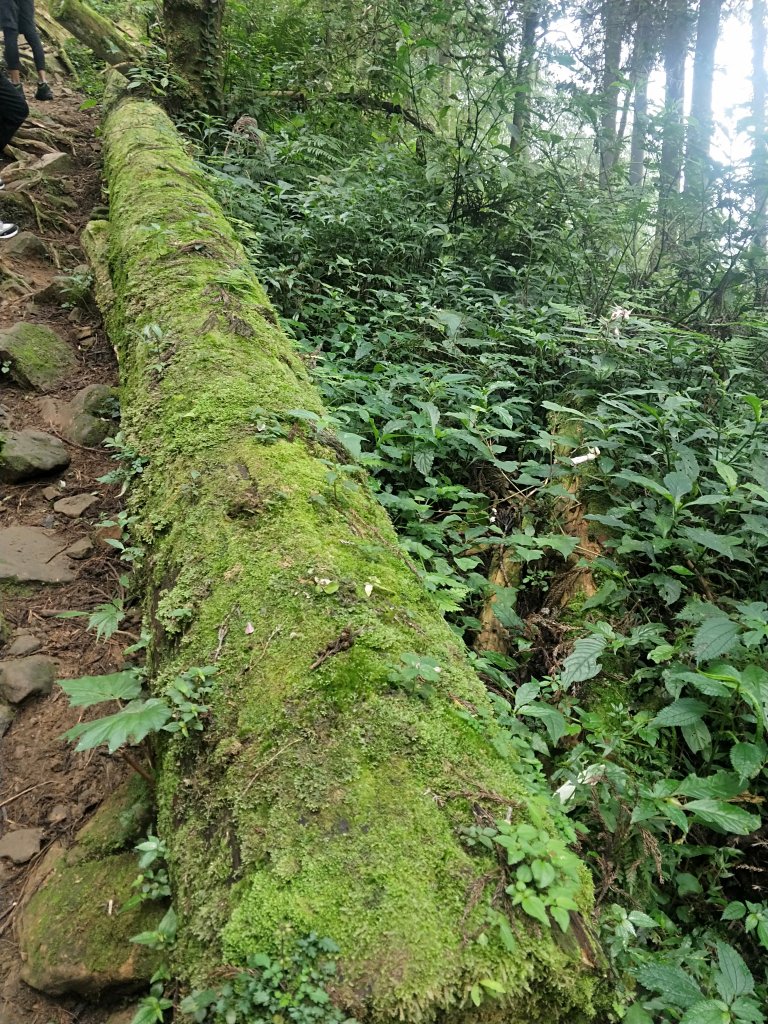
(44, 786)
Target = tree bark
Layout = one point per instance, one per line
(322, 795)
(613, 30)
(108, 42)
(521, 111)
(642, 61)
(700, 124)
(760, 137)
(192, 31)
(671, 168)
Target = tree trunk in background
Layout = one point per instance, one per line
(700, 124)
(642, 60)
(193, 41)
(670, 171)
(524, 80)
(613, 25)
(760, 143)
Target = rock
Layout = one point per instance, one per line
(38, 358)
(57, 814)
(54, 164)
(30, 453)
(5, 417)
(105, 535)
(7, 715)
(87, 419)
(51, 493)
(26, 677)
(5, 630)
(80, 549)
(21, 845)
(24, 644)
(75, 506)
(29, 554)
(26, 245)
(74, 937)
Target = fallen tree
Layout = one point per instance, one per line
(351, 756)
(106, 39)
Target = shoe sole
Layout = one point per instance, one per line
(10, 234)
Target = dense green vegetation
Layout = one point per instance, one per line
(479, 305)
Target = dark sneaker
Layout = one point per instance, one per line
(8, 230)
(43, 91)
(18, 87)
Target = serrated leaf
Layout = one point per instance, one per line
(582, 663)
(747, 759)
(684, 711)
(130, 725)
(724, 817)
(637, 1015)
(559, 542)
(88, 690)
(706, 1012)
(734, 911)
(715, 636)
(718, 542)
(727, 473)
(678, 988)
(423, 461)
(733, 978)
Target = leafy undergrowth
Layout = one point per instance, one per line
(464, 369)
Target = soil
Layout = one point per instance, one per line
(43, 783)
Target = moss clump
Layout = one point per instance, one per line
(73, 935)
(318, 798)
(38, 358)
(120, 821)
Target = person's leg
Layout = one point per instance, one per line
(13, 111)
(28, 29)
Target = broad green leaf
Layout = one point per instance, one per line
(534, 907)
(131, 725)
(564, 544)
(493, 986)
(554, 720)
(504, 608)
(727, 473)
(734, 978)
(720, 786)
(747, 1011)
(718, 542)
(678, 988)
(646, 482)
(747, 759)
(714, 637)
(708, 1011)
(734, 911)
(582, 663)
(678, 485)
(697, 736)
(685, 711)
(637, 1015)
(88, 690)
(723, 816)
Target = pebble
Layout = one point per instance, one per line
(24, 643)
(74, 506)
(26, 677)
(80, 549)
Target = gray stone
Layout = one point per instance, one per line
(38, 358)
(51, 493)
(80, 549)
(21, 845)
(24, 644)
(7, 715)
(25, 454)
(57, 814)
(27, 244)
(29, 554)
(75, 506)
(26, 677)
(87, 419)
(54, 164)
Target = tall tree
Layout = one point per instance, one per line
(193, 40)
(675, 50)
(612, 16)
(525, 72)
(643, 54)
(760, 142)
(701, 123)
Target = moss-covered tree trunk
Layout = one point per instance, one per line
(322, 795)
(108, 42)
(193, 39)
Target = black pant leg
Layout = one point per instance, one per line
(13, 111)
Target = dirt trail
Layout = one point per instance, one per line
(43, 784)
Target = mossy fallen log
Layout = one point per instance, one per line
(106, 39)
(322, 796)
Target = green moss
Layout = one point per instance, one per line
(38, 357)
(73, 935)
(316, 799)
(121, 819)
